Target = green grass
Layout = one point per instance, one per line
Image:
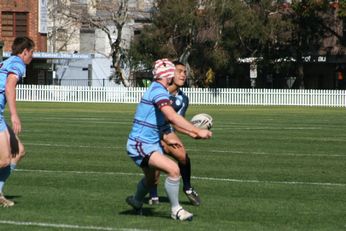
(266, 168)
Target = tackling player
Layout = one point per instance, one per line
(180, 103)
(152, 118)
(12, 71)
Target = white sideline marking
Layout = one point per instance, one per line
(65, 226)
(193, 177)
(79, 172)
(196, 150)
(73, 146)
(271, 182)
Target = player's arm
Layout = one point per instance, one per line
(171, 139)
(181, 122)
(182, 112)
(184, 131)
(10, 92)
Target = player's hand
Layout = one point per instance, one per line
(204, 134)
(16, 125)
(171, 140)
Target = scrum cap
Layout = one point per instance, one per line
(163, 68)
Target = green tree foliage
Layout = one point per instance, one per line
(170, 32)
(213, 35)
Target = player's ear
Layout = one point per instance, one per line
(25, 52)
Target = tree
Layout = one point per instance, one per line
(213, 35)
(176, 32)
(311, 23)
(210, 35)
(280, 35)
(63, 30)
(108, 16)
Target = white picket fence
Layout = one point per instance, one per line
(209, 96)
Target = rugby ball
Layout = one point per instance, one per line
(203, 121)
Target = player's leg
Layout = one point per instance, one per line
(184, 163)
(165, 164)
(17, 148)
(5, 159)
(15, 160)
(140, 154)
(179, 154)
(153, 194)
(143, 186)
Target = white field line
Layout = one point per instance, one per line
(233, 126)
(65, 226)
(193, 177)
(191, 150)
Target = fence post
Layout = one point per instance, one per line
(90, 73)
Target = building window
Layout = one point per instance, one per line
(14, 24)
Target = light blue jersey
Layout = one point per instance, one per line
(149, 123)
(12, 65)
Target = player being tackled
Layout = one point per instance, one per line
(180, 103)
(153, 117)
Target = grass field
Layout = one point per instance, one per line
(266, 168)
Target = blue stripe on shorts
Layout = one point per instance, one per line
(138, 150)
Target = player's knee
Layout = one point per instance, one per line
(184, 159)
(174, 172)
(180, 156)
(21, 151)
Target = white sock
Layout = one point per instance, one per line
(172, 190)
(13, 166)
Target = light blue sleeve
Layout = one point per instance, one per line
(160, 96)
(17, 68)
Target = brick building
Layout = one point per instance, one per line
(26, 18)
(19, 18)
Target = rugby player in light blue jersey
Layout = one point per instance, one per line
(153, 116)
(180, 103)
(12, 70)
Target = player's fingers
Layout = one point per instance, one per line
(17, 128)
(178, 145)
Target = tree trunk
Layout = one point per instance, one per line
(301, 75)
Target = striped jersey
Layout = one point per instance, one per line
(149, 121)
(14, 65)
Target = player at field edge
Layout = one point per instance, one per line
(153, 117)
(180, 103)
(12, 70)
